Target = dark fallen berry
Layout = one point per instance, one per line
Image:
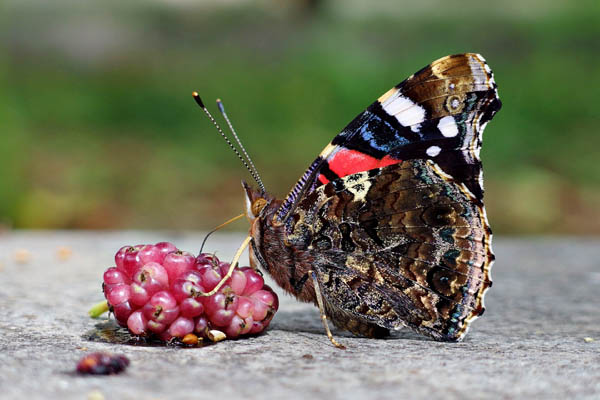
(102, 364)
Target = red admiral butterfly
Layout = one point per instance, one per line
(387, 228)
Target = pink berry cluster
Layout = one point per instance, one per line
(154, 290)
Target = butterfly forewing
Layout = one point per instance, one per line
(438, 113)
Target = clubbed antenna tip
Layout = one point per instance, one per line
(220, 105)
(198, 99)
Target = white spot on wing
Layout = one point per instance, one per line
(404, 109)
(480, 179)
(433, 151)
(448, 127)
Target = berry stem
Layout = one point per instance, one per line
(98, 309)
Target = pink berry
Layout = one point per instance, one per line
(188, 285)
(221, 318)
(183, 289)
(257, 327)
(224, 299)
(191, 308)
(220, 308)
(247, 326)
(238, 326)
(238, 282)
(114, 275)
(150, 253)
(151, 285)
(266, 296)
(131, 261)
(193, 276)
(122, 312)
(117, 293)
(245, 307)
(275, 303)
(165, 248)
(141, 293)
(254, 281)
(161, 308)
(156, 327)
(181, 327)
(201, 326)
(137, 323)
(235, 327)
(152, 270)
(210, 278)
(120, 256)
(177, 263)
(260, 310)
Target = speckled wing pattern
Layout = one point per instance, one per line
(392, 210)
(403, 245)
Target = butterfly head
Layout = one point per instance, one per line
(256, 201)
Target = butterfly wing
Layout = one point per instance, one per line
(402, 245)
(438, 113)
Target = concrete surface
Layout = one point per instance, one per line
(529, 344)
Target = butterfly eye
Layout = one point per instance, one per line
(258, 205)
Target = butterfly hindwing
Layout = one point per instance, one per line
(438, 113)
(402, 245)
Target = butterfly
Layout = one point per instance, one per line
(387, 228)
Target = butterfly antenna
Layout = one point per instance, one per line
(254, 175)
(239, 142)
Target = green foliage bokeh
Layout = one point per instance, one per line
(99, 129)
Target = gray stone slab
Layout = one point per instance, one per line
(529, 344)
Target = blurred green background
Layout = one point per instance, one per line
(99, 129)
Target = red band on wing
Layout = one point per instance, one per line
(347, 162)
(323, 180)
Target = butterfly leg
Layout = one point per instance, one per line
(322, 311)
